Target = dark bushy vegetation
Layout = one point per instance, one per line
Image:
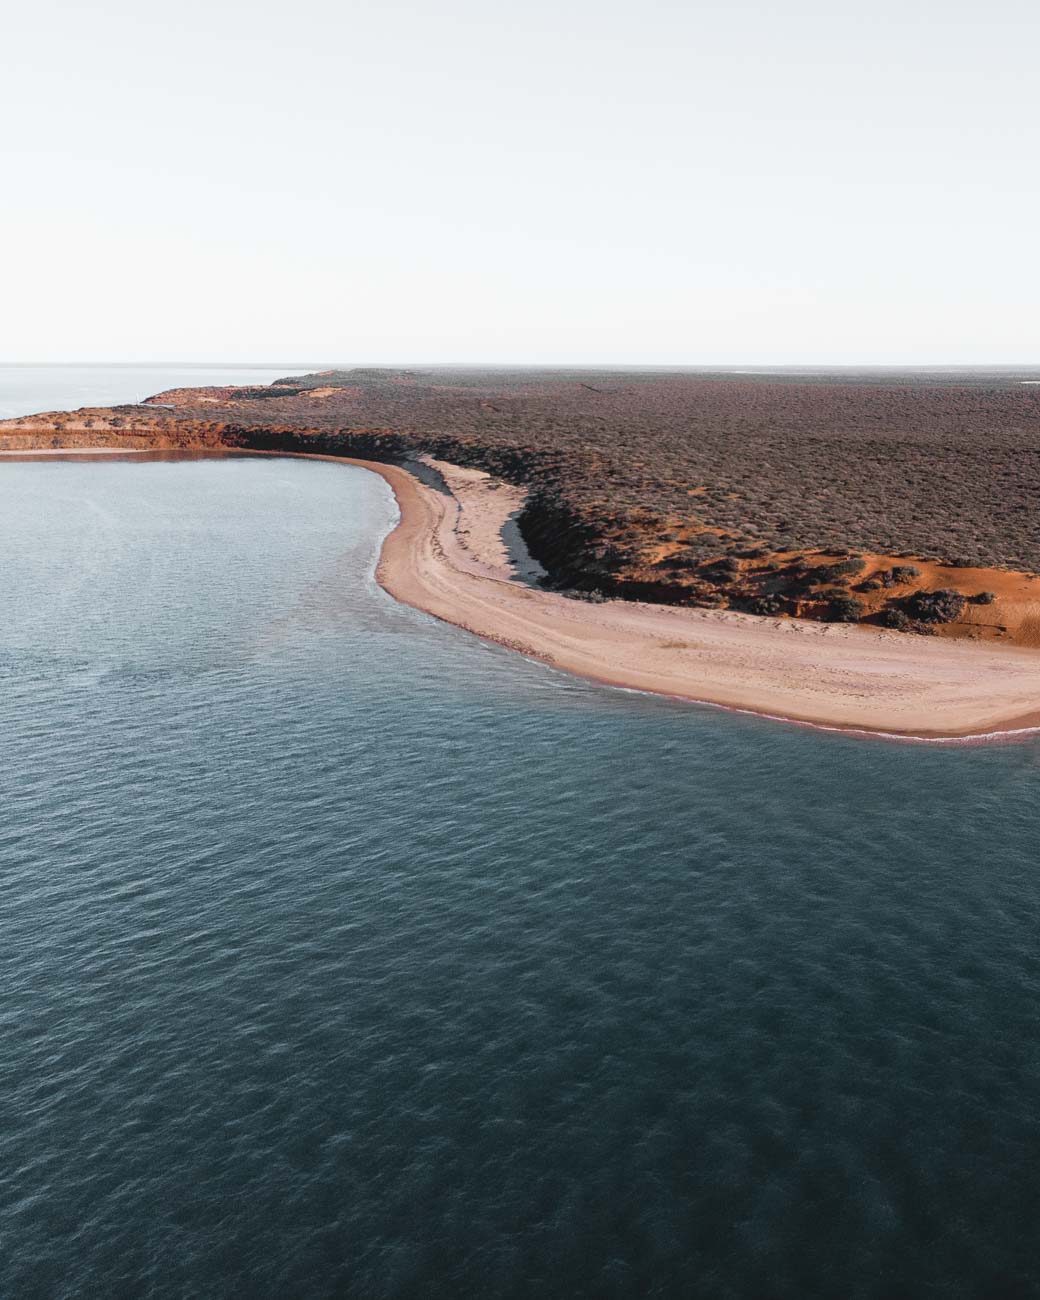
(266, 394)
(899, 575)
(897, 619)
(843, 608)
(765, 605)
(722, 470)
(943, 606)
(890, 464)
(725, 569)
(844, 568)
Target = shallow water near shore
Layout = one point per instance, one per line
(344, 954)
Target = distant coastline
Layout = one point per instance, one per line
(447, 557)
(675, 604)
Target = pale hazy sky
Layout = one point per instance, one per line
(549, 181)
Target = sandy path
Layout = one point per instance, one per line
(830, 675)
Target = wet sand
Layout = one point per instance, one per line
(446, 557)
(455, 553)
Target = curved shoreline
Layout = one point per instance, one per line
(869, 682)
(864, 681)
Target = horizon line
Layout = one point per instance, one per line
(748, 364)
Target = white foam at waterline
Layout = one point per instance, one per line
(999, 736)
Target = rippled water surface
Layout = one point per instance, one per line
(344, 955)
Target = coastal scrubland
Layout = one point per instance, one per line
(900, 499)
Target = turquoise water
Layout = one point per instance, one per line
(345, 955)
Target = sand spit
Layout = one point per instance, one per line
(454, 554)
(846, 677)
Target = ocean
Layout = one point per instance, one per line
(345, 955)
(29, 389)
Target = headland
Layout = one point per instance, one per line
(810, 617)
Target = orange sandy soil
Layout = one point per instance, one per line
(850, 677)
(444, 558)
(1013, 617)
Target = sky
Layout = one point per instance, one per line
(665, 182)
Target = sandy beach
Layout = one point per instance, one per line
(456, 553)
(447, 557)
